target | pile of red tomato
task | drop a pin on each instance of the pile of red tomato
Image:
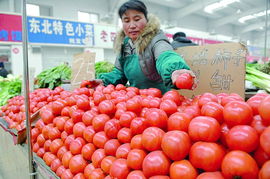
(123, 132)
(14, 111)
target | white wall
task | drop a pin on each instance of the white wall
(54, 56)
(16, 60)
(4, 5)
(99, 53)
(109, 55)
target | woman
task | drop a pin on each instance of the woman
(145, 56)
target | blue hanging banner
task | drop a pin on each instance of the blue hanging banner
(53, 31)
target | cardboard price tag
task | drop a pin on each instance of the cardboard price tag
(83, 68)
(219, 68)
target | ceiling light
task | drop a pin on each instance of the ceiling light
(253, 16)
(218, 5)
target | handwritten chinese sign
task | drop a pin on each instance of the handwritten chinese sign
(83, 68)
(10, 28)
(219, 68)
(104, 35)
(42, 30)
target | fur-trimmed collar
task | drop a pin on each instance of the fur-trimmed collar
(151, 29)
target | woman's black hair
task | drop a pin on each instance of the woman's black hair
(134, 5)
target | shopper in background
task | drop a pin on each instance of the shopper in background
(180, 40)
(145, 56)
(3, 71)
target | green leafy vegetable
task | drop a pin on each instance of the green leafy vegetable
(9, 87)
(51, 78)
(103, 67)
(258, 78)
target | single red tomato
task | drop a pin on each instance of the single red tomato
(206, 98)
(156, 118)
(68, 127)
(88, 150)
(135, 159)
(57, 106)
(225, 100)
(154, 102)
(111, 146)
(169, 106)
(88, 169)
(260, 156)
(192, 111)
(55, 164)
(40, 140)
(178, 121)
(76, 145)
(134, 105)
(119, 169)
(136, 142)
(254, 103)
(184, 81)
(97, 174)
(35, 147)
(67, 174)
(47, 145)
(123, 150)
(138, 174)
(79, 176)
(138, 125)
(89, 133)
(46, 115)
(77, 164)
(224, 131)
(210, 175)
(206, 155)
(182, 169)
(41, 151)
(76, 115)
(54, 133)
(48, 157)
(60, 122)
(257, 124)
(56, 145)
(204, 128)
(68, 140)
(111, 128)
(99, 121)
(176, 144)
(126, 118)
(265, 171)
(97, 157)
(120, 87)
(45, 130)
(154, 92)
(106, 164)
(156, 163)
(265, 140)
(214, 110)
(237, 113)
(106, 107)
(78, 129)
(151, 138)
(61, 152)
(124, 135)
(264, 110)
(83, 103)
(242, 137)
(88, 117)
(100, 139)
(239, 164)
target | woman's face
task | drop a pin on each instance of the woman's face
(133, 23)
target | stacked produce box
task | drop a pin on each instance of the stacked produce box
(124, 132)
